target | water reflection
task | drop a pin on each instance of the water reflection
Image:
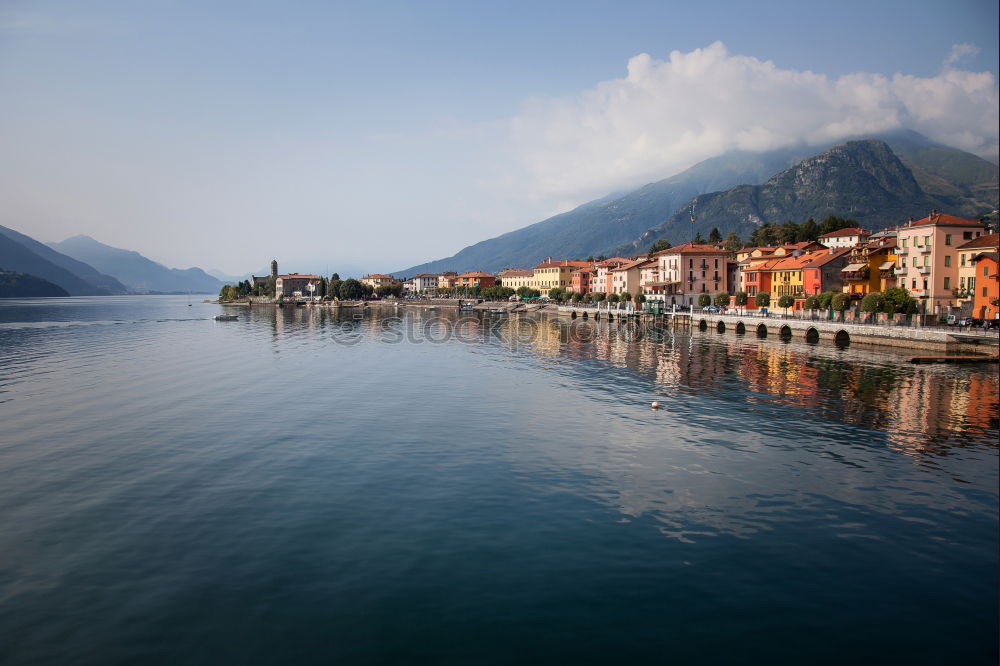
(924, 411)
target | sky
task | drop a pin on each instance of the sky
(372, 136)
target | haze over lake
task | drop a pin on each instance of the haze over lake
(302, 486)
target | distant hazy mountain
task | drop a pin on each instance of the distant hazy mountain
(137, 272)
(23, 285)
(960, 183)
(102, 284)
(863, 180)
(16, 257)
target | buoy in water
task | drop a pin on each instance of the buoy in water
(655, 405)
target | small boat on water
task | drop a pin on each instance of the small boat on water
(226, 317)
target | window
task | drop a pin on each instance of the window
(927, 241)
(986, 271)
(984, 291)
(915, 259)
(963, 260)
(967, 235)
(961, 283)
(927, 261)
(947, 239)
(690, 263)
(947, 260)
(947, 283)
(904, 241)
(925, 283)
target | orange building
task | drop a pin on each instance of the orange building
(580, 280)
(986, 301)
(474, 279)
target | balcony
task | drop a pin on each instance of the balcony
(924, 270)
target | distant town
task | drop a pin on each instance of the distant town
(939, 264)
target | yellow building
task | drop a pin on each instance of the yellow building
(516, 278)
(871, 267)
(550, 274)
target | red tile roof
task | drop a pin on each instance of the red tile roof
(989, 240)
(476, 274)
(563, 264)
(943, 220)
(691, 248)
(516, 272)
(850, 231)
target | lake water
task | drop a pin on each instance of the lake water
(303, 487)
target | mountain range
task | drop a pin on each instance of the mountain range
(70, 266)
(139, 274)
(878, 181)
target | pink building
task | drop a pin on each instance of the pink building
(688, 270)
(601, 282)
(928, 258)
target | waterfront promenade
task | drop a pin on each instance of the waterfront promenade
(931, 338)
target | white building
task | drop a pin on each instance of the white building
(424, 283)
(844, 237)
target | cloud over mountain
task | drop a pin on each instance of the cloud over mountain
(665, 115)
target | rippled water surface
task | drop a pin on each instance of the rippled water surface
(304, 487)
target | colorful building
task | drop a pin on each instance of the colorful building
(447, 280)
(967, 270)
(986, 301)
(687, 271)
(625, 277)
(516, 278)
(870, 268)
(928, 258)
(376, 280)
(601, 282)
(474, 279)
(550, 274)
(844, 237)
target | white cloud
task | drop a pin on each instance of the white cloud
(666, 115)
(960, 52)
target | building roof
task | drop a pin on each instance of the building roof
(425, 275)
(476, 274)
(565, 263)
(995, 256)
(942, 220)
(635, 263)
(296, 276)
(850, 231)
(613, 261)
(516, 272)
(691, 248)
(988, 240)
(378, 276)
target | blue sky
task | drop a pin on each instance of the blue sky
(372, 136)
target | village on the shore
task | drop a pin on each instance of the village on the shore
(938, 265)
